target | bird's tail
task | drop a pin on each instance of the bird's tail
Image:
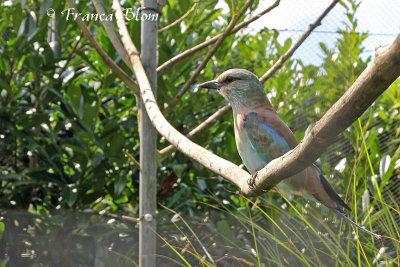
(324, 191)
(362, 228)
(339, 202)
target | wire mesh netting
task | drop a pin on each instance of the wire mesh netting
(379, 19)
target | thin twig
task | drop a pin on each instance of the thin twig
(199, 47)
(132, 85)
(70, 57)
(210, 53)
(71, 54)
(201, 127)
(302, 38)
(131, 157)
(178, 20)
(130, 219)
(374, 80)
(213, 118)
(111, 34)
(126, 40)
(227, 169)
(121, 52)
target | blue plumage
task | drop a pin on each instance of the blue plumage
(261, 136)
(264, 139)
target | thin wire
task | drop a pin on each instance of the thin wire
(323, 32)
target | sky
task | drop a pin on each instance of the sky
(381, 18)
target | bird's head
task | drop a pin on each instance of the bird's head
(240, 87)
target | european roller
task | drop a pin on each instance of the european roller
(261, 136)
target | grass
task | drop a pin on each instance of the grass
(275, 236)
(275, 231)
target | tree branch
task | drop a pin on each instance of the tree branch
(178, 20)
(302, 38)
(131, 157)
(132, 85)
(111, 34)
(198, 47)
(213, 118)
(210, 53)
(227, 169)
(201, 127)
(70, 56)
(374, 80)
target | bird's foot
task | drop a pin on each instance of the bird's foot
(252, 180)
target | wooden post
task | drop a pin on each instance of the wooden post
(148, 136)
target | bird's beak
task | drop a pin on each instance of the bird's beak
(210, 85)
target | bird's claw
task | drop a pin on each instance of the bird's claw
(252, 180)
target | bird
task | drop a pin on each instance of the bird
(261, 136)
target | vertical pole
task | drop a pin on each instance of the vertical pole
(53, 38)
(148, 135)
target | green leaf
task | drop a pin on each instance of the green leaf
(119, 184)
(202, 184)
(176, 197)
(384, 165)
(45, 5)
(28, 27)
(2, 229)
(178, 169)
(365, 200)
(75, 95)
(30, 120)
(117, 142)
(70, 194)
(23, 2)
(224, 229)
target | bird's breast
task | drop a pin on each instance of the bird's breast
(250, 157)
(254, 161)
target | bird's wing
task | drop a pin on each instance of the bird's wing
(272, 138)
(264, 137)
(272, 118)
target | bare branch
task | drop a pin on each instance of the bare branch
(132, 85)
(130, 219)
(131, 157)
(371, 83)
(70, 55)
(374, 80)
(210, 53)
(178, 20)
(198, 47)
(302, 38)
(201, 127)
(227, 169)
(273, 69)
(111, 34)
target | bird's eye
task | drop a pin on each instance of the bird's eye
(229, 79)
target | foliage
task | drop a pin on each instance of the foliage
(65, 119)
